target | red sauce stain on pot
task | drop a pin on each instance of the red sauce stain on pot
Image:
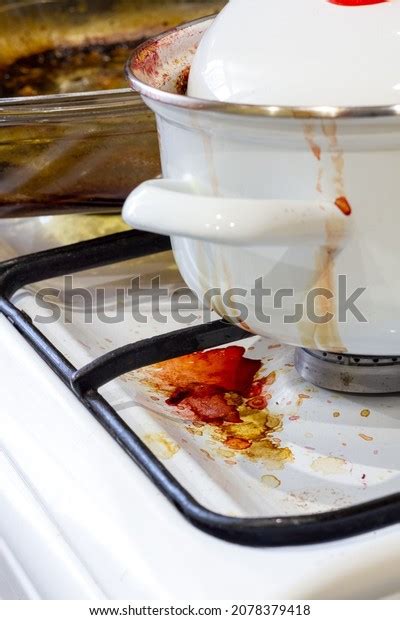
(221, 388)
(182, 81)
(310, 138)
(147, 60)
(326, 335)
(343, 204)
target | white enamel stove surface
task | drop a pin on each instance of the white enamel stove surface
(79, 520)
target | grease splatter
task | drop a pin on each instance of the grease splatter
(222, 390)
(366, 437)
(207, 455)
(161, 445)
(365, 413)
(301, 398)
(271, 481)
(329, 465)
(309, 134)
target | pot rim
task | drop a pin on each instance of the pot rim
(221, 107)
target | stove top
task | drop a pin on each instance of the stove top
(339, 477)
(354, 374)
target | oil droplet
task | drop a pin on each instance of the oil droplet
(365, 413)
(193, 430)
(271, 481)
(366, 437)
(207, 455)
(161, 445)
(329, 465)
(225, 454)
(336, 414)
(301, 398)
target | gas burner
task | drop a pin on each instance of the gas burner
(356, 374)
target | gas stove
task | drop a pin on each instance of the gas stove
(111, 492)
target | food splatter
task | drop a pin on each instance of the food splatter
(366, 437)
(161, 445)
(329, 465)
(301, 398)
(222, 390)
(336, 414)
(365, 413)
(271, 481)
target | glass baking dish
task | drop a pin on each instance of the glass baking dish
(77, 151)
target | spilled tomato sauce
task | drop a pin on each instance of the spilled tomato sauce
(226, 369)
(343, 204)
(221, 389)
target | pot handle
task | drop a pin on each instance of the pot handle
(174, 208)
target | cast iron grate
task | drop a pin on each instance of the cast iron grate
(84, 382)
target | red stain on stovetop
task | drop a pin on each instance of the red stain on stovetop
(220, 388)
(343, 204)
(225, 368)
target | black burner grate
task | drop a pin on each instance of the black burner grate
(84, 382)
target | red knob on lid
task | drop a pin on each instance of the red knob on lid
(356, 2)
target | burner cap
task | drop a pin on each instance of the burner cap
(355, 374)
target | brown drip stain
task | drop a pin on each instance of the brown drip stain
(319, 180)
(221, 390)
(161, 445)
(326, 335)
(309, 134)
(366, 437)
(182, 81)
(301, 398)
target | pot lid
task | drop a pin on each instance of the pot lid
(301, 53)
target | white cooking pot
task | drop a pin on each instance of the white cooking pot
(299, 201)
